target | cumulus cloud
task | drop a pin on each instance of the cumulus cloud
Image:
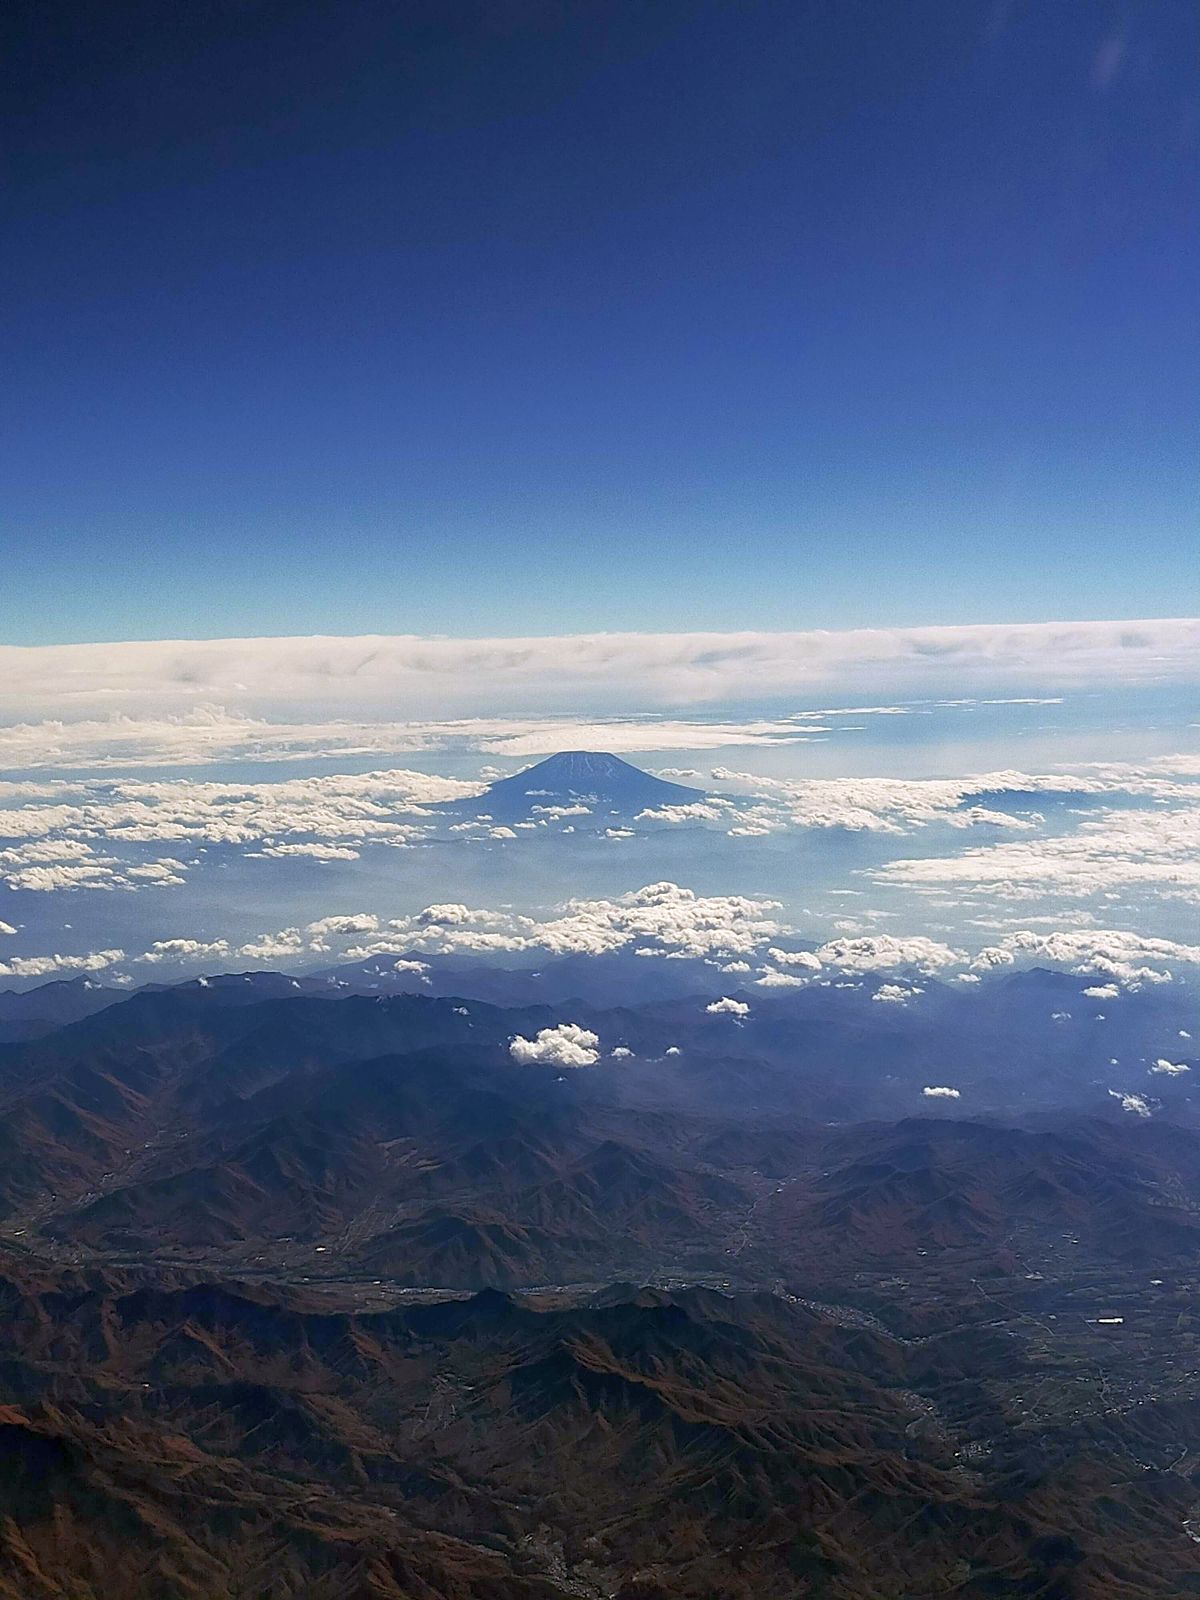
(46, 864)
(1171, 1069)
(658, 919)
(191, 950)
(725, 1007)
(51, 966)
(895, 994)
(803, 959)
(567, 1045)
(1118, 849)
(313, 849)
(941, 1091)
(689, 811)
(330, 817)
(286, 945)
(1137, 1105)
(355, 922)
(1129, 959)
(879, 952)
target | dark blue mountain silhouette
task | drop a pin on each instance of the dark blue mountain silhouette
(588, 777)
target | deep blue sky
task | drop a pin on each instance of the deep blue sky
(534, 317)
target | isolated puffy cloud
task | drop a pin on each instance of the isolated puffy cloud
(450, 916)
(725, 1007)
(567, 1045)
(1137, 1105)
(191, 950)
(355, 922)
(896, 994)
(6, 927)
(286, 945)
(1171, 1069)
(941, 1091)
(1102, 991)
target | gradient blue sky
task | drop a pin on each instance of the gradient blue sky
(511, 318)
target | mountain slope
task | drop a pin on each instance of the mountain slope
(605, 783)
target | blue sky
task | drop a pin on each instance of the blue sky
(526, 318)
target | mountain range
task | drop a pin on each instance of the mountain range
(312, 1288)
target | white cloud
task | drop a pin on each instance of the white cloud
(1102, 991)
(208, 733)
(689, 811)
(771, 979)
(1118, 849)
(725, 1007)
(286, 945)
(46, 865)
(6, 927)
(1137, 1105)
(882, 951)
(49, 966)
(661, 918)
(567, 1045)
(191, 950)
(939, 1091)
(355, 922)
(314, 851)
(345, 676)
(1171, 1069)
(895, 994)
(1131, 959)
(805, 959)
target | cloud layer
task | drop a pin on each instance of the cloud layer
(409, 676)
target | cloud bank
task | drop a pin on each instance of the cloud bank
(406, 675)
